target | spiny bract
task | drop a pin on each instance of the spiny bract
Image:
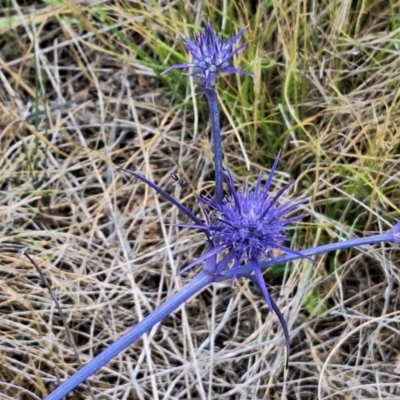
(210, 55)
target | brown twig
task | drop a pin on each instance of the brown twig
(47, 285)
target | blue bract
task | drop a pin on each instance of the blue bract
(210, 55)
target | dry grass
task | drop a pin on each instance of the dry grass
(325, 92)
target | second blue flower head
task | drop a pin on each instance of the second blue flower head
(210, 55)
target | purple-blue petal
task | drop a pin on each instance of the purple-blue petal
(292, 251)
(176, 66)
(284, 326)
(232, 70)
(258, 279)
(166, 195)
(222, 265)
(210, 253)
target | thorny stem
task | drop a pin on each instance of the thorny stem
(217, 143)
(198, 283)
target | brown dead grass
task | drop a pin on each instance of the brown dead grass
(105, 242)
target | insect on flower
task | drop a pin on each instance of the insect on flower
(210, 55)
(215, 217)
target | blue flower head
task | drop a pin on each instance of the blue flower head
(210, 55)
(249, 223)
(245, 228)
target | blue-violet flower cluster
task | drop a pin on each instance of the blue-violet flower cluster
(210, 55)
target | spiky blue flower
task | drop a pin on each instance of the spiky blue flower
(248, 225)
(250, 222)
(245, 228)
(210, 55)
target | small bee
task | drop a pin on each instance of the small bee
(179, 181)
(215, 217)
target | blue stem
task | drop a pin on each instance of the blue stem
(198, 283)
(217, 143)
(383, 237)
